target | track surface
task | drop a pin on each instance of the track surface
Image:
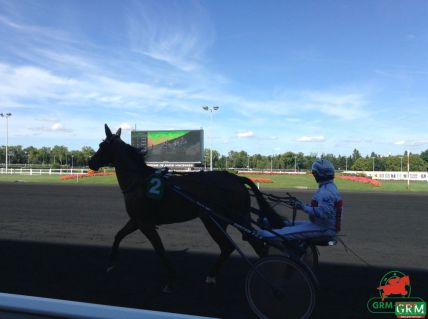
(55, 241)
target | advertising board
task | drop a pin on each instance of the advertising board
(175, 146)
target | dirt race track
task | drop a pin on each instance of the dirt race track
(55, 241)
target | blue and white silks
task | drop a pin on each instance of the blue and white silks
(325, 214)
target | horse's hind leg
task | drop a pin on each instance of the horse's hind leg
(129, 228)
(154, 238)
(226, 247)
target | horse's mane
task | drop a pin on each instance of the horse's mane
(137, 155)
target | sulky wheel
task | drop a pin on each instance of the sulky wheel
(278, 287)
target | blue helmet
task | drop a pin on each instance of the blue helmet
(323, 170)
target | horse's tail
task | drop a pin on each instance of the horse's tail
(266, 210)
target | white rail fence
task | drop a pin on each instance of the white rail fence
(43, 171)
(393, 176)
(379, 175)
(19, 306)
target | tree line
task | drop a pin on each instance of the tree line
(54, 157)
(60, 156)
(302, 162)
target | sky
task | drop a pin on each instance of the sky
(304, 76)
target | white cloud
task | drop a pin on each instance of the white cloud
(177, 35)
(341, 105)
(416, 142)
(245, 134)
(319, 138)
(31, 86)
(293, 105)
(125, 126)
(32, 82)
(55, 127)
(75, 76)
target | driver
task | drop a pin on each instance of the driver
(324, 211)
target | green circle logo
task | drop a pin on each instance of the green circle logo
(394, 283)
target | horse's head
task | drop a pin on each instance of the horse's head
(105, 154)
(406, 280)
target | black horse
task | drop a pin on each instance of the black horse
(226, 194)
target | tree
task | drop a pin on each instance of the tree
(2, 154)
(341, 163)
(424, 155)
(31, 154)
(59, 154)
(16, 155)
(259, 161)
(237, 159)
(44, 155)
(355, 155)
(288, 159)
(309, 161)
(392, 163)
(417, 163)
(86, 153)
(215, 158)
(362, 164)
(300, 161)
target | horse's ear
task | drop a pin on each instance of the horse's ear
(109, 134)
(119, 131)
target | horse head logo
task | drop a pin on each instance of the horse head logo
(394, 284)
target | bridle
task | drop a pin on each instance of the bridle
(138, 175)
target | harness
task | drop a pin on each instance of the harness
(154, 183)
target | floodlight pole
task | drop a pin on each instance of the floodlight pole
(7, 115)
(408, 170)
(211, 110)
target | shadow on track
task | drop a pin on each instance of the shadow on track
(75, 272)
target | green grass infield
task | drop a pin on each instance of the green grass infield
(278, 181)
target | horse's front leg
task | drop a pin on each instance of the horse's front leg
(217, 231)
(129, 228)
(154, 238)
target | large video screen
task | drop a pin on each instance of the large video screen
(170, 146)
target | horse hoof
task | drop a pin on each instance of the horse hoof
(210, 280)
(167, 289)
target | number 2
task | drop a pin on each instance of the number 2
(155, 186)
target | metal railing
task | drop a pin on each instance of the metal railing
(43, 171)
(19, 306)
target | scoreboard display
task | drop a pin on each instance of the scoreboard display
(178, 146)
